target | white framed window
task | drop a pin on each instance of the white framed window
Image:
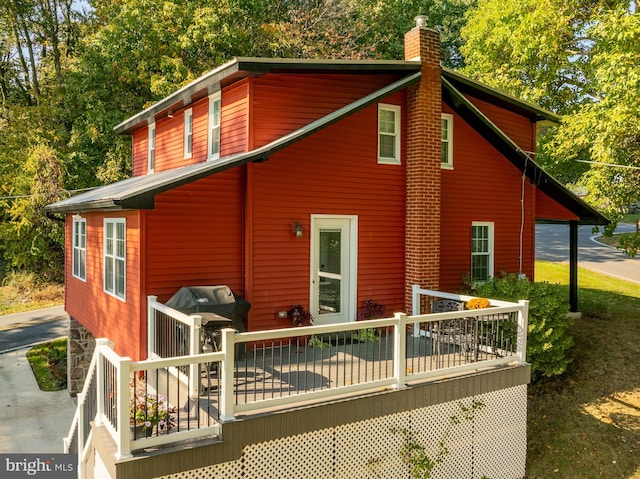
(214, 126)
(115, 257)
(388, 134)
(446, 159)
(79, 255)
(151, 148)
(481, 251)
(188, 133)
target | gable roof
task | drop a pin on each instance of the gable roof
(510, 150)
(139, 192)
(242, 67)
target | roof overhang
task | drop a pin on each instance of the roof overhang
(242, 67)
(139, 192)
(469, 86)
(510, 150)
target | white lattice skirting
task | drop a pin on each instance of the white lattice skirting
(490, 444)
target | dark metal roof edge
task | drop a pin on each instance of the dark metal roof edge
(543, 180)
(182, 95)
(170, 179)
(540, 113)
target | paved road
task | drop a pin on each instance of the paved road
(23, 329)
(552, 244)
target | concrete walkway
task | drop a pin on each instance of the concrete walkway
(31, 420)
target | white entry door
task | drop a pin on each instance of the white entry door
(333, 268)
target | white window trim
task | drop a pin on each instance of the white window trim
(79, 248)
(213, 98)
(151, 148)
(490, 253)
(188, 133)
(449, 163)
(395, 160)
(114, 257)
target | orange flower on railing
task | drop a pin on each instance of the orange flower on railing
(478, 303)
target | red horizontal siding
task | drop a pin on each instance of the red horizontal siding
(520, 129)
(335, 172)
(235, 113)
(194, 236)
(282, 103)
(102, 314)
(139, 145)
(483, 186)
(549, 209)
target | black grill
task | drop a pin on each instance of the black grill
(218, 306)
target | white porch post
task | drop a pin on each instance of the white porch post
(151, 326)
(101, 343)
(523, 329)
(415, 307)
(123, 370)
(194, 348)
(400, 350)
(226, 378)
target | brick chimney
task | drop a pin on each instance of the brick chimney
(424, 108)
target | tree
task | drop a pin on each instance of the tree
(581, 59)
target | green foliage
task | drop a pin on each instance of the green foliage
(416, 455)
(29, 240)
(49, 364)
(317, 342)
(548, 340)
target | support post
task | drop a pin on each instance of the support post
(151, 326)
(400, 350)
(573, 266)
(226, 378)
(123, 371)
(523, 330)
(194, 349)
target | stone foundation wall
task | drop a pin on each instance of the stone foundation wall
(81, 344)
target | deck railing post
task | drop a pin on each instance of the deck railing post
(151, 326)
(400, 350)
(194, 348)
(523, 328)
(123, 372)
(415, 307)
(227, 397)
(101, 343)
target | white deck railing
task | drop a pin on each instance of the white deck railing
(256, 370)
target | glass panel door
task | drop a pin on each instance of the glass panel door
(332, 271)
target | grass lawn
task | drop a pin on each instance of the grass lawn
(586, 424)
(49, 364)
(21, 292)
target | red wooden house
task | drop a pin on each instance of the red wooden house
(315, 182)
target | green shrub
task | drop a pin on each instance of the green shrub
(549, 340)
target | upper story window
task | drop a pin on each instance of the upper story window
(388, 134)
(188, 133)
(446, 160)
(115, 257)
(214, 126)
(481, 251)
(79, 257)
(151, 148)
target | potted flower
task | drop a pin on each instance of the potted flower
(300, 318)
(478, 303)
(149, 412)
(370, 310)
